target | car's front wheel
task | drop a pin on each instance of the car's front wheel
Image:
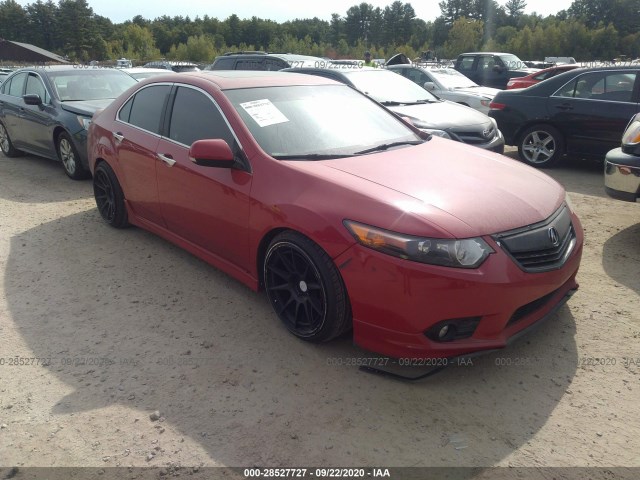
(70, 158)
(109, 196)
(305, 288)
(5, 143)
(541, 146)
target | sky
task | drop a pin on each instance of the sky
(279, 10)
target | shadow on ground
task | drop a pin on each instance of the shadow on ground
(168, 332)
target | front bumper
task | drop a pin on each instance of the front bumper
(622, 175)
(396, 303)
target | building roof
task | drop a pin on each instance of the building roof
(25, 52)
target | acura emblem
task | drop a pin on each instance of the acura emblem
(554, 237)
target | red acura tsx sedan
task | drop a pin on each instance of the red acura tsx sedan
(344, 214)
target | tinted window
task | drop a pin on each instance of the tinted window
(611, 86)
(274, 64)
(251, 64)
(125, 111)
(224, 64)
(486, 63)
(17, 85)
(195, 117)
(35, 86)
(466, 63)
(147, 107)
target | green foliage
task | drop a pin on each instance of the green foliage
(588, 30)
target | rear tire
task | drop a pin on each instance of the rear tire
(541, 146)
(305, 288)
(6, 145)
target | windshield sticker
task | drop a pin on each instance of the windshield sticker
(264, 112)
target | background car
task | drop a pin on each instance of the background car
(140, 73)
(264, 61)
(173, 66)
(622, 165)
(582, 112)
(533, 78)
(425, 110)
(345, 214)
(449, 84)
(46, 111)
(491, 69)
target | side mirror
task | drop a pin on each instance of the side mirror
(429, 86)
(211, 153)
(32, 99)
(498, 68)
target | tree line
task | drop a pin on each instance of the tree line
(587, 30)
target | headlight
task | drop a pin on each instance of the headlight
(485, 102)
(437, 133)
(465, 253)
(431, 131)
(84, 122)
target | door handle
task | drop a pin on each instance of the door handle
(168, 159)
(118, 136)
(564, 106)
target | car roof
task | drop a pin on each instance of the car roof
(230, 79)
(486, 53)
(144, 70)
(68, 68)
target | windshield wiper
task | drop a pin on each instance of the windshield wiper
(401, 104)
(386, 146)
(312, 156)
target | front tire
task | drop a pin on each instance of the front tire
(109, 196)
(541, 146)
(70, 158)
(305, 288)
(6, 145)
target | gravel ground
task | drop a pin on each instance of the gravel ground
(154, 358)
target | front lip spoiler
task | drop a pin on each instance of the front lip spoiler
(461, 359)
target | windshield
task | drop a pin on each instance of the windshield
(512, 62)
(451, 78)
(386, 86)
(90, 84)
(316, 121)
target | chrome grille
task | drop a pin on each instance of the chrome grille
(475, 137)
(543, 246)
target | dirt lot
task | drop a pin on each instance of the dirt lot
(131, 324)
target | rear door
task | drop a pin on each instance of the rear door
(593, 110)
(207, 206)
(138, 125)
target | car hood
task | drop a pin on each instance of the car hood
(86, 107)
(442, 114)
(483, 91)
(479, 192)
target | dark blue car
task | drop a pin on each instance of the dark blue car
(46, 111)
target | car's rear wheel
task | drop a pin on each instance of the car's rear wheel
(70, 158)
(6, 145)
(109, 196)
(541, 146)
(305, 288)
